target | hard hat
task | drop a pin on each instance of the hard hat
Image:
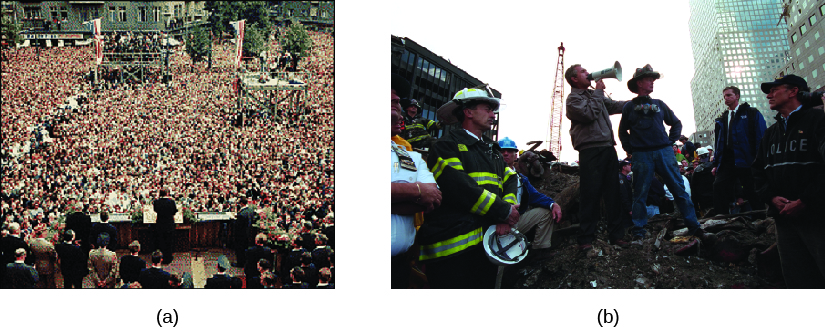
(445, 112)
(702, 151)
(507, 249)
(413, 102)
(506, 143)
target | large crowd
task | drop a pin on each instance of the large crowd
(114, 150)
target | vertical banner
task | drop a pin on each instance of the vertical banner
(239, 27)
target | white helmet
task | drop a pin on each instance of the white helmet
(504, 250)
(445, 113)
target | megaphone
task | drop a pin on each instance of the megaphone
(614, 72)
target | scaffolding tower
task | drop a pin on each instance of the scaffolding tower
(557, 107)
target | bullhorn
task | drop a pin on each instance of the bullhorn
(614, 72)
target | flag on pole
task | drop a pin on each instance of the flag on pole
(239, 27)
(98, 50)
(96, 27)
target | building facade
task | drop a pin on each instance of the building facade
(806, 35)
(735, 43)
(314, 14)
(57, 17)
(434, 80)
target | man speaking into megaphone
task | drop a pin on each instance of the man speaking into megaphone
(592, 136)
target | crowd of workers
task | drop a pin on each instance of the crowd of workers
(442, 205)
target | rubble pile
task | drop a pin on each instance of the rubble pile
(743, 256)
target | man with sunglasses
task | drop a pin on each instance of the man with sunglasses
(789, 174)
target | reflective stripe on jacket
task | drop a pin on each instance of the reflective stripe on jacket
(477, 191)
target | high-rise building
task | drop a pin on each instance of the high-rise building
(806, 35)
(735, 43)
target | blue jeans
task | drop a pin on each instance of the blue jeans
(663, 162)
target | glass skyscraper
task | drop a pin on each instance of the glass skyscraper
(735, 43)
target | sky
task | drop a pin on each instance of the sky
(513, 47)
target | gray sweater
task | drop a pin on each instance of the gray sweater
(589, 113)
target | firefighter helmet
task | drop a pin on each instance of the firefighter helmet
(445, 112)
(506, 249)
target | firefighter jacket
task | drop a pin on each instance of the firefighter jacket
(790, 163)
(418, 129)
(477, 191)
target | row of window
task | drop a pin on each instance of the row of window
(804, 27)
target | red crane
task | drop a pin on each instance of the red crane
(557, 107)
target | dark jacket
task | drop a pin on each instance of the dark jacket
(532, 198)
(640, 131)
(219, 281)
(166, 209)
(81, 223)
(789, 162)
(687, 150)
(253, 254)
(747, 129)
(19, 275)
(72, 260)
(477, 192)
(154, 278)
(130, 268)
(657, 191)
(100, 227)
(626, 190)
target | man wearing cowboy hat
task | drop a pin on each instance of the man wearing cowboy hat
(478, 192)
(789, 175)
(643, 135)
(592, 136)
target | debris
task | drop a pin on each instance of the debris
(593, 283)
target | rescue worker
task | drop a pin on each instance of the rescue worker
(538, 211)
(416, 128)
(477, 189)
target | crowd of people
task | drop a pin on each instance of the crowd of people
(115, 150)
(461, 188)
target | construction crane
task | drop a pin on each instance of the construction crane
(557, 107)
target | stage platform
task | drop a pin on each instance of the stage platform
(283, 81)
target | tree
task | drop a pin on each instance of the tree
(223, 12)
(253, 40)
(296, 40)
(10, 32)
(198, 44)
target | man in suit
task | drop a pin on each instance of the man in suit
(320, 255)
(18, 273)
(255, 253)
(244, 219)
(154, 277)
(72, 261)
(738, 133)
(10, 244)
(220, 280)
(310, 271)
(103, 263)
(164, 227)
(131, 264)
(45, 257)
(104, 226)
(81, 224)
